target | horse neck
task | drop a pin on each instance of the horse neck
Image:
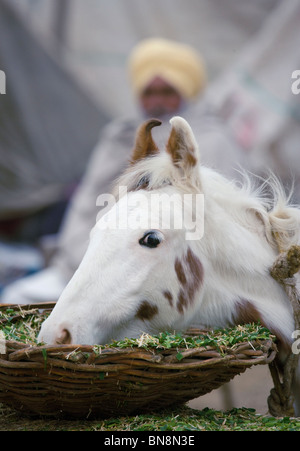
(237, 285)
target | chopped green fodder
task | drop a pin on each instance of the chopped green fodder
(23, 326)
(181, 418)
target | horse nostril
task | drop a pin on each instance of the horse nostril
(64, 338)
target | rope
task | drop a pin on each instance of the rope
(281, 400)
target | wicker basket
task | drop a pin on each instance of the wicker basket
(77, 381)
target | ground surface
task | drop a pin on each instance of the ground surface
(250, 389)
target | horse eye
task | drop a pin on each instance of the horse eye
(150, 239)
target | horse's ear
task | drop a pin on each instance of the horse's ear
(144, 144)
(182, 145)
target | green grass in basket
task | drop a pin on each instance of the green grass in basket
(25, 329)
(218, 338)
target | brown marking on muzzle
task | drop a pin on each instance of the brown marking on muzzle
(64, 338)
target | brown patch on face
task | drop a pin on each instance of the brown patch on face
(144, 144)
(190, 274)
(180, 272)
(196, 268)
(175, 147)
(182, 301)
(146, 311)
(169, 297)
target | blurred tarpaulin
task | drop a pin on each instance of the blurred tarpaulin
(48, 125)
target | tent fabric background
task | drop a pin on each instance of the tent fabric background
(99, 35)
(48, 124)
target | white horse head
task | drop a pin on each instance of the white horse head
(143, 273)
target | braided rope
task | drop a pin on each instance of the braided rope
(281, 400)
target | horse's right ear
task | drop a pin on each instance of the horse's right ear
(144, 144)
(183, 148)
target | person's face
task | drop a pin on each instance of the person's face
(160, 98)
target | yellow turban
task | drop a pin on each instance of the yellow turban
(178, 64)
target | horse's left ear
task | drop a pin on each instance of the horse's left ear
(182, 146)
(144, 144)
